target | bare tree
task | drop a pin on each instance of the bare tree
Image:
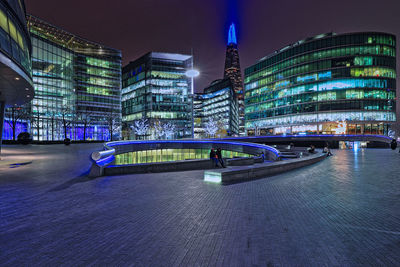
(113, 123)
(66, 114)
(52, 116)
(211, 127)
(140, 127)
(257, 127)
(34, 119)
(168, 129)
(84, 119)
(15, 115)
(158, 130)
(221, 132)
(125, 131)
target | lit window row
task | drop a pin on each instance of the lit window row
(102, 63)
(167, 75)
(329, 53)
(354, 72)
(324, 117)
(321, 96)
(314, 87)
(373, 72)
(328, 42)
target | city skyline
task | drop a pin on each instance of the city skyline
(262, 27)
(199, 133)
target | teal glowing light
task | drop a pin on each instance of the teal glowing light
(232, 35)
(212, 177)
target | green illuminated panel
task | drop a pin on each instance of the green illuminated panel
(100, 63)
(168, 75)
(97, 90)
(165, 155)
(373, 72)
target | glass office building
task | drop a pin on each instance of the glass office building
(233, 72)
(218, 102)
(155, 87)
(16, 86)
(198, 130)
(77, 84)
(327, 84)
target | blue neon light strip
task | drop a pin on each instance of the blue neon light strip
(109, 159)
(273, 150)
(105, 161)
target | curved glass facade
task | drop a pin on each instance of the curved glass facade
(77, 84)
(16, 86)
(14, 38)
(319, 84)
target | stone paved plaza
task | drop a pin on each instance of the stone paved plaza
(342, 211)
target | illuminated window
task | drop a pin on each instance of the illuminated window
(20, 40)
(373, 72)
(3, 21)
(363, 61)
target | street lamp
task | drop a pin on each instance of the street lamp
(192, 73)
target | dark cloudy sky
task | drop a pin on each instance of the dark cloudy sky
(139, 26)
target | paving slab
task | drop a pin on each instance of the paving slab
(338, 212)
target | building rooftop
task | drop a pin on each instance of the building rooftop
(170, 56)
(67, 39)
(308, 39)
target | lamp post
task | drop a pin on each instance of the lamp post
(192, 73)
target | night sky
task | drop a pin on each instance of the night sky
(140, 26)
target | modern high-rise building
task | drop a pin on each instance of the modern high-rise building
(327, 84)
(232, 71)
(155, 87)
(16, 86)
(220, 104)
(198, 130)
(77, 85)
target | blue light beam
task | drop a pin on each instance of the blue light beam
(232, 35)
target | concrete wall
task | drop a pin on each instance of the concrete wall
(183, 165)
(159, 167)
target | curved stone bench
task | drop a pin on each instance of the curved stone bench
(245, 173)
(104, 159)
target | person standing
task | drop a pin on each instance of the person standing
(219, 157)
(213, 157)
(393, 144)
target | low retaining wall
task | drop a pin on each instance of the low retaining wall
(173, 166)
(246, 173)
(239, 161)
(185, 165)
